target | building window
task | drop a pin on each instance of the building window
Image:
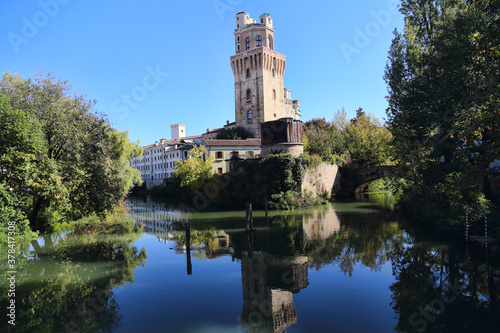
(249, 95)
(249, 114)
(237, 38)
(248, 72)
(270, 42)
(238, 47)
(248, 43)
(259, 40)
(219, 171)
(219, 155)
(250, 154)
(274, 93)
(273, 72)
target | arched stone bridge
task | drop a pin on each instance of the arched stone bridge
(354, 180)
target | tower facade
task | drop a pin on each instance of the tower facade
(258, 72)
(177, 131)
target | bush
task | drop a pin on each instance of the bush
(12, 214)
(336, 159)
(291, 200)
(392, 185)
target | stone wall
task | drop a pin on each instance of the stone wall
(294, 149)
(323, 178)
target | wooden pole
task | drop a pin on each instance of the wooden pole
(188, 248)
(249, 218)
(266, 204)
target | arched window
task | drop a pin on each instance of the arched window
(274, 93)
(259, 40)
(249, 114)
(238, 47)
(249, 95)
(270, 42)
(248, 43)
(248, 72)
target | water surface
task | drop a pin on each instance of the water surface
(346, 267)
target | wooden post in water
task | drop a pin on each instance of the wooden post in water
(266, 204)
(249, 218)
(188, 248)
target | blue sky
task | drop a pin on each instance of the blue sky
(153, 63)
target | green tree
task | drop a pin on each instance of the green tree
(367, 141)
(363, 138)
(196, 170)
(444, 95)
(236, 133)
(67, 157)
(319, 138)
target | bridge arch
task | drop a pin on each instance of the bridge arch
(355, 179)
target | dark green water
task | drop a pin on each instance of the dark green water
(347, 267)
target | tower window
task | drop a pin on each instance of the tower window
(237, 38)
(249, 114)
(248, 43)
(259, 40)
(249, 95)
(248, 72)
(238, 47)
(274, 93)
(270, 42)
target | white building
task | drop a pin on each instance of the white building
(158, 159)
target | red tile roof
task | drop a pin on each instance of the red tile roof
(168, 142)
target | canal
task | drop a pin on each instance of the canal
(345, 267)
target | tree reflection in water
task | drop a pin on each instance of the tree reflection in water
(436, 288)
(440, 289)
(65, 284)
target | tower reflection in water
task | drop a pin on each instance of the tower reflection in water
(270, 277)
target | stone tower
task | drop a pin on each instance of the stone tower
(258, 71)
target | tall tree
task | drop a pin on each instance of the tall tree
(444, 94)
(367, 141)
(82, 166)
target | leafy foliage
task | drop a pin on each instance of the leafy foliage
(235, 133)
(59, 155)
(444, 100)
(362, 138)
(195, 171)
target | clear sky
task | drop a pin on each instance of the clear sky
(153, 63)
